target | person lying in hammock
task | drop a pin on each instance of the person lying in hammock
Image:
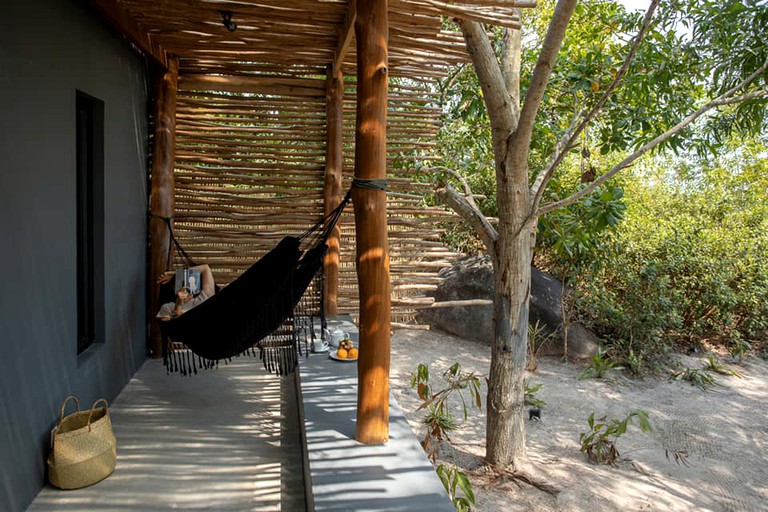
(184, 299)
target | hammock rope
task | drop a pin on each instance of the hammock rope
(261, 308)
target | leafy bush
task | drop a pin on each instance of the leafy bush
(599, 443)
(530, 395)
(686, 264)
(454, 481)
(439, 419)
(598, 365)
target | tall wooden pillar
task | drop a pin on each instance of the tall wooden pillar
(162, 194)
(334, 99)
(371, 31)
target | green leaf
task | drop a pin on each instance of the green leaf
(645, 424)
(466, 486)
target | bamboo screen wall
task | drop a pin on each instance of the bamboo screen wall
(250, 167)
(250, 144)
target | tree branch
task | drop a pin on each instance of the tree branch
(754, 95)
(561, 148)
(727, 98)
(468, 194)
(510, 65)
(489, 73)
(449, 82)
(564, 144)
(472, 215)
(544, 65)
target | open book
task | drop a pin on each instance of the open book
(188, 278)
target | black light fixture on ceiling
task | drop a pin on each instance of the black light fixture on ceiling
(226, 18)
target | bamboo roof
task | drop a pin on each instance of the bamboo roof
(250, 123)
(297, 37)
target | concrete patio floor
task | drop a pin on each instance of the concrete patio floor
(222, 440)
(230, 439)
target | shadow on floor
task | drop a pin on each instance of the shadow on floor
(221, 440)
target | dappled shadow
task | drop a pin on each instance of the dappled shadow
(721, 438)
(215, 441)
(347, 475)
(722, 435)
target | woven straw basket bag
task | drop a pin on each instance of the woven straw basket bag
(84, 447)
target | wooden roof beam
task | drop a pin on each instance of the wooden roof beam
(521, 4)
(304, 87)
(345, 38)
(124, 22)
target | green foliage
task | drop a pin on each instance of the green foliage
(738, 349)
(697, 377)
(695, 50)
(599, 443)
(598, 365)
(591, 53)
(728, 40)
(576, 234)
(530, 395)
(635, 362)
(538, 336)
(454, 481)
(714, 365)
(439, 422)
(688, 261)
(439, 419)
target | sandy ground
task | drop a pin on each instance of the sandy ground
(724, 432)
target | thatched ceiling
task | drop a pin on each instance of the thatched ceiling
(296, 37)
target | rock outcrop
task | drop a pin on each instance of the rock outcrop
(472, 278)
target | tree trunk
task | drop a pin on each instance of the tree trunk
(505, 434)
(512, 128)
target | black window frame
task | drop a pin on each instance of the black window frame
(89, 129)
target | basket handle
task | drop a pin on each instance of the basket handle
(64, 405)
(97, 402)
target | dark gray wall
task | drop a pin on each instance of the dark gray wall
(48, 50)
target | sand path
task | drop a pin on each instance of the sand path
(724, 433)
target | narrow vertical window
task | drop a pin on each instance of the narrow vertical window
(90, 219)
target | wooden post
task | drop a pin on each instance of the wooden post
(371, 27)
(332, 190)
(162, 194)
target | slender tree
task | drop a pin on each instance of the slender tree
(521, 199)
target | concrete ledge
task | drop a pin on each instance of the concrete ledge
(347, 475)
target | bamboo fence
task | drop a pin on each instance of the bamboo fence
(250, 127)
(249, 170)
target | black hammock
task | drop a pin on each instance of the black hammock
(242, 314)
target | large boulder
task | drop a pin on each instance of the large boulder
(472, 278)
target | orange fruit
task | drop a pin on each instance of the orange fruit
(353, 353)
(342, 353)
